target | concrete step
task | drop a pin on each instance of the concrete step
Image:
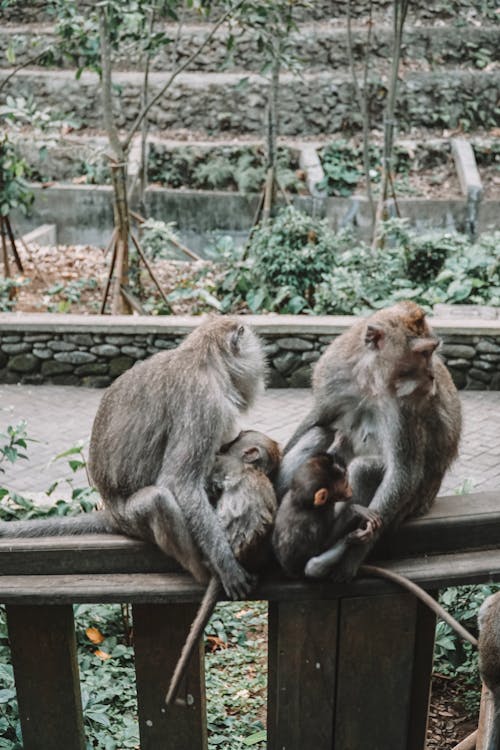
(314, 103)
(317, 46)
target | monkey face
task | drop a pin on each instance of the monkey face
(399, 344)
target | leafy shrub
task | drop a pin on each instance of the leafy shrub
(14, 188)
(221, 168)
(286, 260)
(452, 655)
(298, 264)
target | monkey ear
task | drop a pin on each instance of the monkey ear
(374, 336)
(251, 455)
(426, 346)
(236, 335)
(321, 496)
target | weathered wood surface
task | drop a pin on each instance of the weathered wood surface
(455, 524)
(43, 647)
(159, 634)
(301, 674)
(431, 572)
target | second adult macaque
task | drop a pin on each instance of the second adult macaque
(390, 402)
(489, 661)
(317, 514)
(246, 508)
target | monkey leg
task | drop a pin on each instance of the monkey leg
(153, 513)
(315, 440)
(320, 566)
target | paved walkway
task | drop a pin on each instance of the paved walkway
(59, 416)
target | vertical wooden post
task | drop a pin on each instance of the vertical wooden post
(375, 663)
(43, 646)
(301, 674)
(423, 656)
(159, 633)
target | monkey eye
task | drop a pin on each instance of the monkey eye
(241, 330)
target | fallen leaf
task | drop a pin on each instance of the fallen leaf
(102, 655)
(94, 635)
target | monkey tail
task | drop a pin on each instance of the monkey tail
(95, 522)
(203, 615)
(372, 570)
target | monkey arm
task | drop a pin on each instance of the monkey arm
(313, 439)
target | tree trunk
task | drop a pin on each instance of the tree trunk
(272, 137)
(119, 305)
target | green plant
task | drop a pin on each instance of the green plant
(14, 188)
(455, 657)
(69, 294)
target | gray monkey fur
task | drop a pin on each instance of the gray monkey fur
(390, 401)
(489, 660)
(246, 510)
(154, 441)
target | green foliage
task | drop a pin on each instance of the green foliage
(14, 440)
(7, 291)
(156, 239)
(66, 295)
(342, 163)
(452, 655)
(241, 168)
(286, 260)
(298, 264)
(14, 188)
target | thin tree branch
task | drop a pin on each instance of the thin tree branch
(144, 111)
(25, 64)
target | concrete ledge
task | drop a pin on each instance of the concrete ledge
(182, 325)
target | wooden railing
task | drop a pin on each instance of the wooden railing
(349, 665)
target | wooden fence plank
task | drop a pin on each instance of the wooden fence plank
(422, 677)
(301, 674)
(43, 646)
(159, 632)
(454, 524)
(376, 647)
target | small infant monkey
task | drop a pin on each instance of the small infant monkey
(246, 506)
(317, 514)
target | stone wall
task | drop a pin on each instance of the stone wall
(314, 103)
(93, 351)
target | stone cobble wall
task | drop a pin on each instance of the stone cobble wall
(316, 46)
(214, 103)
(95, 359)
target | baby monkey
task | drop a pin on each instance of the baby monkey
(317, 514)
(246, 507)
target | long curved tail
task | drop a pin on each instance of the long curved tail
(96, 522)
(207, 606)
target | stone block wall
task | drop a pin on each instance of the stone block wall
(93, 351)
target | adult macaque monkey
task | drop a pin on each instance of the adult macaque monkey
(389, 399)
(489, 661)
(155, 437)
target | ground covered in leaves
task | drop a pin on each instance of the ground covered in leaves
(72, 279)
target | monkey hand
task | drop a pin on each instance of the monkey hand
(237, 582)
(372, 525)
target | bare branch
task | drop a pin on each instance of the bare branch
(25, 64)
(144, 111)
